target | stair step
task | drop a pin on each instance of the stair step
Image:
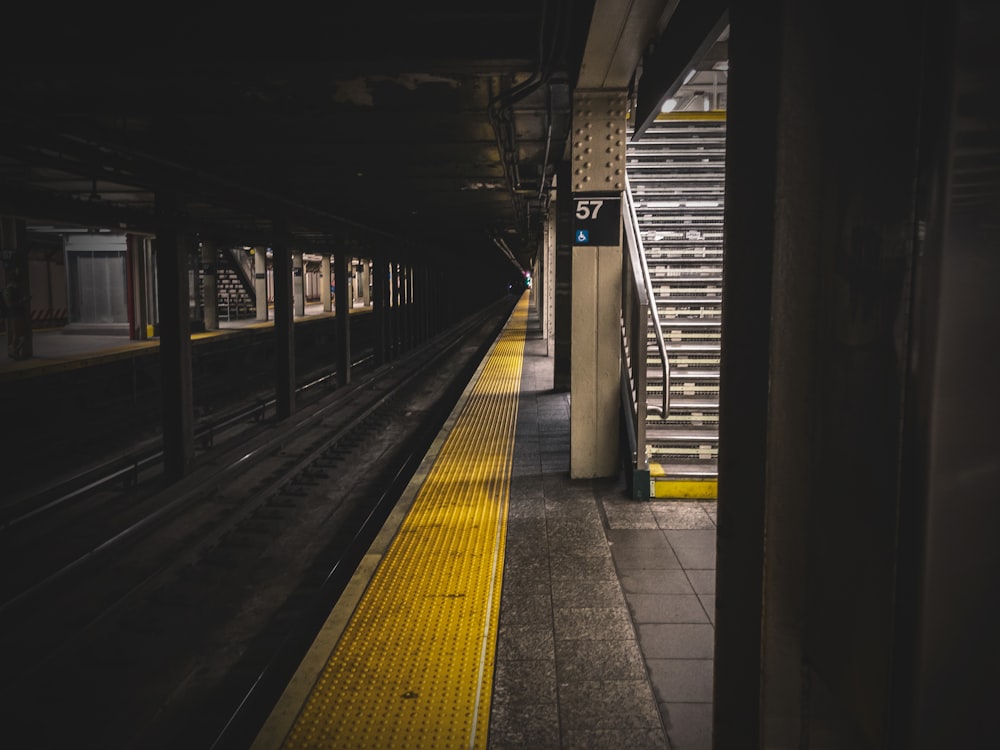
(670, 435)
(677, 175)
(678, 373)
(681, 403)
(667, 483)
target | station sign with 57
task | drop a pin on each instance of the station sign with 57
(597, 219)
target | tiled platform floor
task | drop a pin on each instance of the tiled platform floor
(606, 622)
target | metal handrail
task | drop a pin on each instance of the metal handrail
(634, 324)
(636, 250)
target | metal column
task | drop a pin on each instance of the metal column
(209, 259)
(343, 317)
(260, 281)
(284, 330)
(175, 338)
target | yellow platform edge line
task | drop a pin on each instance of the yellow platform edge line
(494, 478)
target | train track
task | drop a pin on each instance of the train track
(164, 617)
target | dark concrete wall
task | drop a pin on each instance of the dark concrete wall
(957, 617)
(835, 539)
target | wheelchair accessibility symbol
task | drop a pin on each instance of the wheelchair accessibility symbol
(582, 236)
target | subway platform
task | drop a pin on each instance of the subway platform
(506, 605)
(53, 348)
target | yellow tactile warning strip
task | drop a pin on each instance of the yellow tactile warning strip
(414, 666)
(687, 489)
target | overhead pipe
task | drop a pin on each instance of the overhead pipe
(501, 105)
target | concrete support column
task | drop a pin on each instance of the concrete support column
(596, 362)
(408, 307)
(298, 285)
(260, 281)
(325, 278)
(598, 180)
(546, 281)
(563, 288)
(425, 305)
(364, 281)
(284, 329)
(395, 315)
(137, 262)
(175, 338)
(17, 288)
(343, 318)
(210, 296)
(380, 297)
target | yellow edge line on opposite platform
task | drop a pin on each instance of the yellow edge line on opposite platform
(285, 712)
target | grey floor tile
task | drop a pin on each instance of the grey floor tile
(592, 623)
(525, 536)
(519, 681)
(670, 608)
(689, 725)
(526, 611)
(526, 643)
(708, 602)
(591, 660)
(650, 538)
(677, 641)
(679, 515)
(629, 557)
(681, 680)
(587, 567)
(655, 581)
(526, 510)
(571, 508)
(580, 537)
(525, 727)
(583, 593)
(702, 581)
(640, 738)
(607, 704)
(522, 577)
(628, 514)
(695, 548)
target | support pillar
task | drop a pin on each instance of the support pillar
(395, 318)
(563, 289)
(364, 281)
(325, 278)
(284, 329)
(17, 288)
(298, 285)
(408, 310)
(343, 317)
(260, 281)
(545, 282)
(175, 338)
(209, 259)
(380, 296)
(598, 180)
(137, 261)
(425, 304)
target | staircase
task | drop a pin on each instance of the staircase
(677, 173)
(235, 293)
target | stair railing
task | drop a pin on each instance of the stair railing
(637, 315)
(634, 328)
(634, 239)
